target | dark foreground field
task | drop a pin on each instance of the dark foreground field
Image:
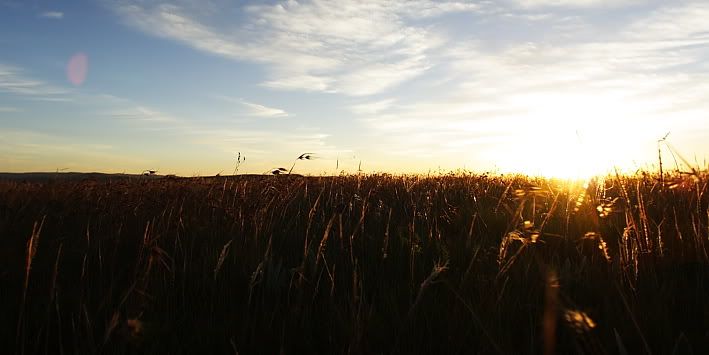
(335, 265)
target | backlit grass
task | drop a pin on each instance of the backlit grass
(459, 263)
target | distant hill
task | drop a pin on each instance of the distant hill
(43, 176)
(72, 176)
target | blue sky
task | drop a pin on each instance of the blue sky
(537, 86)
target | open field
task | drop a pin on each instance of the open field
(355, 264)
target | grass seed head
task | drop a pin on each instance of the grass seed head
(579, 321)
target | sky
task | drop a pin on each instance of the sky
(550, 87)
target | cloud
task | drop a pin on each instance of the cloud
(140, 113)
(576, 3)
(9, 109)
(166, 21)
(57, 15)
(349, 47)
(14, 81)
(137, 114)
(267, 149)
(264, 111)
(606, 99)
(30, 150)
(254, 109)
(685, 23)
(530, 88)
(300, 139)
(264, 147)
(372, 107)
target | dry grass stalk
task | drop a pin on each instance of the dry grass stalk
(432, 278)
(222, 257)
(551, 313)
(372, 294)
(32, 245)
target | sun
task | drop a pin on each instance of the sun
(577, 137)
(560, 157)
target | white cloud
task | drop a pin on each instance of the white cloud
(577, 3)
(609, 98)
(537, 88)
(355, 48)
(9, 109)
(264, 147)
(14, 81)
(57, 15)
(373, 107)
(264, 111)
(267, 149)
(669, 23)
(166, 21)
(254, 109)
(140, 113)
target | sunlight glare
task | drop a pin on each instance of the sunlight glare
(574, 136)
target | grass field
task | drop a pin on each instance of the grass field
(356, 264)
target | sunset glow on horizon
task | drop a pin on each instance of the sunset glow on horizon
(564, 89)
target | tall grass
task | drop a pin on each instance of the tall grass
(460, 263)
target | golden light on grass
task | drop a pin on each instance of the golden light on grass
(579, 321)
(512, 262)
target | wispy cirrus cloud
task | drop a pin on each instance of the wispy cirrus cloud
(262, 140)
(140, 113)
(15, 81)
(255, 109)
(264, 111)
(519, 76)
(520, 103)
(372, 107)
(31, 150)
(56, 15)
(265, 147)
(576, 3)
(355, 48)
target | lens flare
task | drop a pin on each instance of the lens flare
(77, 68)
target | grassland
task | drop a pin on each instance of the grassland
(355, 264)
